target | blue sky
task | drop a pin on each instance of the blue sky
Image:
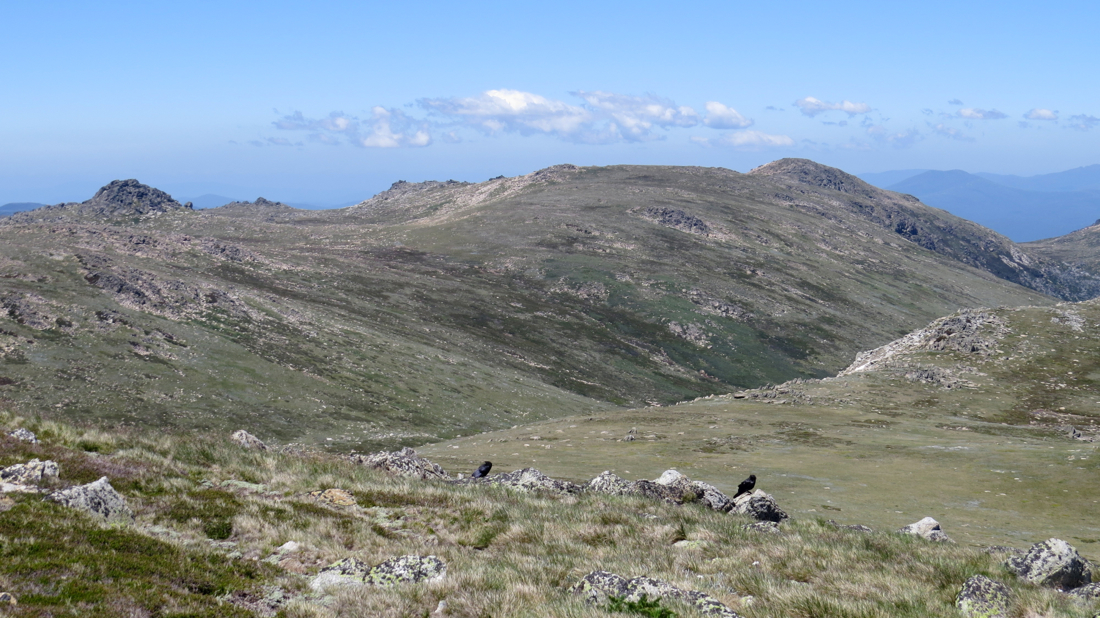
(330, 102)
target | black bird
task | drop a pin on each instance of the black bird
(482, 470)
(746, 486)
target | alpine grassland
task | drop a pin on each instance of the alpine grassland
(211, 518)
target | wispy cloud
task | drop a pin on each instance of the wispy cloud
(954, 102)
(595, 117)
(746, 140)
(810, 106)
(605, 117)
(721, 117)
(1083, 122)
(952, 132)
(897, 139)
(1041, 114)
(385, 128)
(973, 113)
(273, 141)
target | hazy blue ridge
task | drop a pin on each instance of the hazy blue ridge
(9, 209)
(1078, 179)
(1019, 214)
(883, 180)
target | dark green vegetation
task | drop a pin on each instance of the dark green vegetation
(641, 607)
(507, 553)
(443, 309)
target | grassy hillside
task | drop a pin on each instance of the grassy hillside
(211, 517)
(967, 421)
(443, 309)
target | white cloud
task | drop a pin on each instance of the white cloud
(496, 111)
(749, 140)
(605, 118)
(721, 117)
(810, 106)
(385, 128)
(1041, 114)
(973, 113)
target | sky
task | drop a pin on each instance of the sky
(330, 102)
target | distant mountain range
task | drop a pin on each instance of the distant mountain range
(1022, 208)
(9, 209)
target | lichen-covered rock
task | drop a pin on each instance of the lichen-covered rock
(335, 497)
(530, 479)
(706, 493)
(403, 569)
(760, 506)
(610, 484)
(24, 435)
(982, 597)
(247, 440)
(31, 473)
(927, 528)
(852, 527)
(1090, 591)
(769, 527)
(98, 498)
(404, 463)
(597, 586)
(649, 489)
(1053, 563)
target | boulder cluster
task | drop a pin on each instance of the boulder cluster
(671, 487)
(1053, 563)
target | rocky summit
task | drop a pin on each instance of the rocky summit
(118, 199)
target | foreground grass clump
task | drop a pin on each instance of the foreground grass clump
(211, 517)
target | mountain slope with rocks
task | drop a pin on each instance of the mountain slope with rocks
(444, 308)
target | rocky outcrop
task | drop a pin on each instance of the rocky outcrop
(927, 528)
(403, 569)
(852, 527)
(119, 198)
(611, 484)
(706, 493)
(759, 506)
(403, 463)
(982, 597)
(968, 331)
(1088, 591)
(597, 586)
(31, 473)
(98, 499)
(247, 440)
(24, 435)
(677, 219)
(1053, 563)
(334, 497)
(527, 479)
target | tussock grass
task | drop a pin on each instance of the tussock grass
(508, 553)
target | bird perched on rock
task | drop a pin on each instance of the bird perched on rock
(482, 470)
(746, 486)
